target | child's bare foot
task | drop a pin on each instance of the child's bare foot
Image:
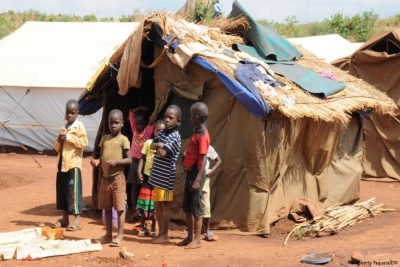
(184, 242)
(160, 239)
(194, 244)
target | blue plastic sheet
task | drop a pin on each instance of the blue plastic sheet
(248, 99)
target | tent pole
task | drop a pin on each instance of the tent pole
(19, 143)
(18, 104)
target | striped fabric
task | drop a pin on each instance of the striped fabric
(69, 191)
(145, 203)
(164, 169)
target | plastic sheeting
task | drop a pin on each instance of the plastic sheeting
(308, 79)
(327, 47)
(38, 126)
(265, 39)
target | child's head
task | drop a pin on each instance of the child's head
(198, 113)
(115, 121)
(172, 117)
(158, 126)
(141, 120)
(71, 111)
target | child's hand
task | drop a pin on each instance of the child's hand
(140, 178)
(61, 138)
(161, 152)
(111, 163)
(95, 162)
(143, 108)
(195, 186)
(187, 169)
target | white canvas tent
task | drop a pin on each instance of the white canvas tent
(327, 47)
(55, 60)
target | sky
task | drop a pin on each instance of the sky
(277, 10)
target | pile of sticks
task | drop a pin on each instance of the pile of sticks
(339, 217)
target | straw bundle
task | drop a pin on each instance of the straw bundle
(226, 39)
(339, 217)
(233, 25)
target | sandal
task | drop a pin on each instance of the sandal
(152, 234)
(210, 237)
(104, 240)
(116, 243)
(73, 227)
(141, 233)
(60, 223)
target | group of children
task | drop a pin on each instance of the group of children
(152, 157)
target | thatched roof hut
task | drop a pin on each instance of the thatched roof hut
(310, 147)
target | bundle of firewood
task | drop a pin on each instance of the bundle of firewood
(338, 217)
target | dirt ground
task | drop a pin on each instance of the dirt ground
(27, 195)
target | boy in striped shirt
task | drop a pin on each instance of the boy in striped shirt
(167, 145)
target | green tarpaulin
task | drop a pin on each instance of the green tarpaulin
(269, 46)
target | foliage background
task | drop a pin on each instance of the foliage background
(357, 28)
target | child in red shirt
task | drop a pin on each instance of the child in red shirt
(141, 132)
(194, 164)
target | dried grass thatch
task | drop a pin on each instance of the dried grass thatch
(358, 95)
(235, 26)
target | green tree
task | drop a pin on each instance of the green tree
(91, 17)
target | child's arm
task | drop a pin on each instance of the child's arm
(140, 167)
(80, 140)
(95, 161)
(132, 119)
(159, 148)
(196, 183)
(60, 140)
(218, 163)
(154, 145)
(132, 116)
(58, 143)
(125, 161)
(137, 109)
(170, 148)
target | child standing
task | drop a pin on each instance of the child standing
(145, 203)
(115, 154)
(205, 198)
(69, 146)
(167, 145)
(141, 132)
(195, 163)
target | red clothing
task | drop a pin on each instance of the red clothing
(198, 145)
(138, 139)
